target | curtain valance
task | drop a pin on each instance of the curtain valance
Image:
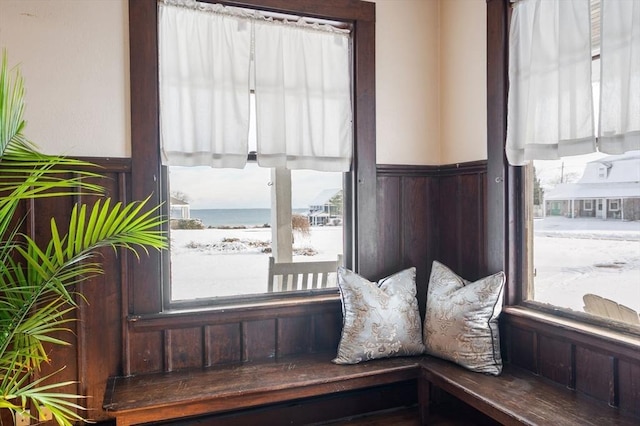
(210, 56)
(550, 106)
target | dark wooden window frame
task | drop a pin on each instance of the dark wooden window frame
(145, 277)
(506, 195)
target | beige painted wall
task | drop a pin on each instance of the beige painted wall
(74, 58)
(407, 80)
(463, 76)
(429, 70)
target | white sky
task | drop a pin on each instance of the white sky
(208, 188)
(549, 171)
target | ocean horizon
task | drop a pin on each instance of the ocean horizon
(235, 217)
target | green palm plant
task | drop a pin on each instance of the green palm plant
(37, 280)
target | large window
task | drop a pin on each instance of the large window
(566, 231)
(584, 260)
(347, 214)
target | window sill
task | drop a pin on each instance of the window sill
(597, 336)
(241, 311)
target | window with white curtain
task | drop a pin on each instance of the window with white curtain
(573, 120)
(256, 137)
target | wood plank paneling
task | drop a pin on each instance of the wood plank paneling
(629, 386)
(326, 331)
(555, 360)
(522, 348)
(595, 374)
(294, 335)
(184, 348)
(146, 352)
(471, 224)
(223, 344)
(428, 213)
(99, 315)
(419, 233)
(449, 223)
(39, 214)
(602, 368)
(389, 225)
(258, 340)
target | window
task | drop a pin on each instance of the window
(146, 290)
(602, 171)
(556, 255)
(576, 251)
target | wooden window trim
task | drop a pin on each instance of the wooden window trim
(145, 276)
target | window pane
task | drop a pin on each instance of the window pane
(221, 227)
(586, 234)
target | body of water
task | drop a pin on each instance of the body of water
(235, 217)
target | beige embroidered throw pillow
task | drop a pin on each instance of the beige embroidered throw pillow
(461, 322)
(380, 319)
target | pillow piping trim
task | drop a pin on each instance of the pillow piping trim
(496, 364)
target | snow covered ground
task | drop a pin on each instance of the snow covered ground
(203, 265)
(573, 257)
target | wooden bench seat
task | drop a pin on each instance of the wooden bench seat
(164, 396)
(516, 397)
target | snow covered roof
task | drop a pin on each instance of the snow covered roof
(324, 197)
(575, 191)
(177, 202)
(613, 168)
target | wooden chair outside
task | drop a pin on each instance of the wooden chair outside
(600, 306)
(289, 276)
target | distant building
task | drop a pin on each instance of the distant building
(609, 189)
(179, 209)
(326, 208)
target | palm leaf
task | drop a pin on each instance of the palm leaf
(37, 280)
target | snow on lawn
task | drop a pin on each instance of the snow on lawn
(574, 257)
(226, 262)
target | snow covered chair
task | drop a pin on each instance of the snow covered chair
(291, 276)
(600, 306)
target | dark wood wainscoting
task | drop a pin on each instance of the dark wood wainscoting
(428, 213)
(603, 367)
(425, 213)
(168, 342)
(95, 352)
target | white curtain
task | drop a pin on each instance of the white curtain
(619, 129)
(302, 86)
(303, 98)
(204, 60)
(550, 107)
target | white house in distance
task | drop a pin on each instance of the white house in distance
(179, 209)
(326, 208)
(608, 189)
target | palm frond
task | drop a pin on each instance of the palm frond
(37, 280)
